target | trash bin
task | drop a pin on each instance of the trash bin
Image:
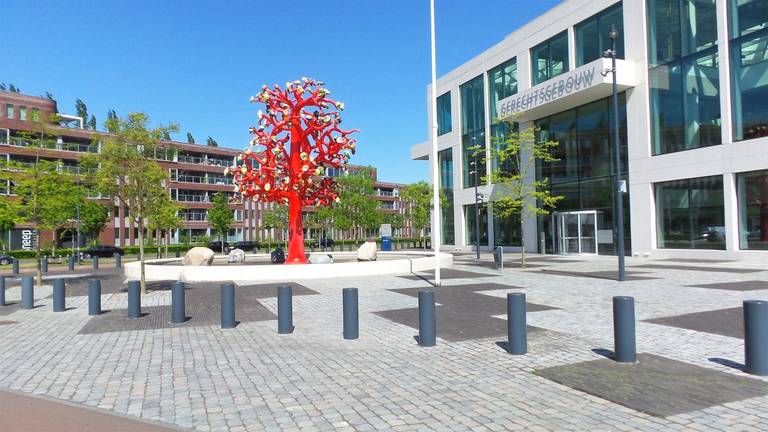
(498, 257)
(386, 244)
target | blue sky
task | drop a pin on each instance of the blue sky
(196, 63)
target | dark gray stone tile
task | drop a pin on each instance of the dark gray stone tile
(462, 312)
(610, 275)
(447, 273)
(725, 322)
(695, 260)
(752, 285)
(699, 268)
(656, 385)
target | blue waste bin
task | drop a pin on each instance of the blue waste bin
(386, 244)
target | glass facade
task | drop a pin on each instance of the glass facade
(469, 219)
(507, 231)
(690, 214)
(584, 173)
(592, 38)
(749, 68)
(502, 83)
(550, 58)
(752, 189)
(472, 129)
(445, 159)
(684, 78)
(444, 114)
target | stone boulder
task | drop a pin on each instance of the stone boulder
(367, 252)
(198, 256)
(321, 259)
(236, 256)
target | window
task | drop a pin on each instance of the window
(9, 111)
(749, 66)
(23, 113)
(502, 83)
(684, 79)
(445, 159)
(507, 231)
(444, 114)
(752, 191)
(592, 35)
(472, 129)
(550, 58)
(469, 218)
(690, 214)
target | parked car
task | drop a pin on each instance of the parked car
(5, 259)
(247, 246)
(102, 251)
(326, 243)
(216, 246)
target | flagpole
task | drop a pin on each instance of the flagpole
(435, 163)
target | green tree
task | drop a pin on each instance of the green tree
(517, 154)
(417, 205)
(355, 207)
(93, 217)
(126, 171)
(9, 216)
(48, 96)
(59, 196)
(82, 110)
(190, 138)
(220, 216)
(167, 136)
(212, 142)
(92, 122)
(164, 217)
(276, 219)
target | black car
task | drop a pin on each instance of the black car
(326, 243)
(5, 259)
(216, 246)
(102, 251)
(247, 246)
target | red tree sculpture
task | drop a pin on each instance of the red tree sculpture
(295, 142)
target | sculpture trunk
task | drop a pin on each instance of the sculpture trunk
(295, 233)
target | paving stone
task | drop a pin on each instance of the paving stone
(726, 322)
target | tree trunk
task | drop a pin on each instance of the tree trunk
(522, 241)
(295, 233)
(142, 279)
(221, 238)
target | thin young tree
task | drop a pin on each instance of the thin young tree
(355, 209)
(190, 138)
(276, 219)
(93, 217)
(9, 217)
(164, 218)
(125, 170)
(518, 192)
(221, 217)
(417, 206)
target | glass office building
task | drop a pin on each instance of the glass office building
(692, 79)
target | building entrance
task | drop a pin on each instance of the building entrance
(575, 232)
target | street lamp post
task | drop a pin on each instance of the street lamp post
(478, 198)
(620, 184)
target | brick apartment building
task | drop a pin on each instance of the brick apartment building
(196, 173)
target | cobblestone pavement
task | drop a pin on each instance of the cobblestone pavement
(250, 378)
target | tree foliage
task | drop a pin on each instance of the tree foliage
(276, 219)
(9, 217)
(211, 142)
(417, 199)
(220, 216)
(190, 138)
(164, 216)
(355, 207)
(93, 217)
(516, 193)
(82, 110)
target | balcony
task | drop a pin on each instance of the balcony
(194, 217)
(204, 161)
(221, 181)
(193, 198)
(50, 145)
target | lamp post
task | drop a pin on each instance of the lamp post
(620, 184)
(436, 228)
(478, 198)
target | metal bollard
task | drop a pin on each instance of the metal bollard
(94, 297)
(134, 299)
(756, 337)
(350, 313)
(95, 263)
(71, 263)
(27, 292)
(118, 260)
(228, 305)
(2, 290)
(427, 320)
(517, 331)
(285, 309)
(44, 264)
(177, 303)
(625, 349)
(59, 295)
(499, 257)
(15, 266)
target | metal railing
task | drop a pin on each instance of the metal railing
(185, 178)
(194, 217)
(192, 198)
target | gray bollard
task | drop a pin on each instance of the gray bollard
(118, 260)
(134, 299)
(94, 297)
(517, 331)
(2, 290)
(15, 266)
(59, 295)
(285, 309)
(27, 292)
(178, 254)
(228, 305)
(350, 313)
(427, 320)
(756, 337)
(177, 303)
(71, 263)
(44, 264)
(95, 263)
(625, 349)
